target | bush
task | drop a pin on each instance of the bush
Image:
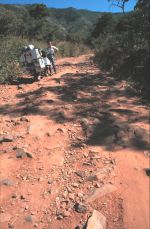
(68, 49)
(123, 49)
(10, 49)
(108, 51)
(135, 68)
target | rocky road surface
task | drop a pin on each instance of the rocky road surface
(73, 151)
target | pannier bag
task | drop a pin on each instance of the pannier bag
(29, 54)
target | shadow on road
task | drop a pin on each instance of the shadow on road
(23, 80)
(104, 108)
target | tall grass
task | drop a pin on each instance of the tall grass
(10, 50)
(68, 49)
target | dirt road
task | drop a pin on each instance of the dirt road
(69, 144)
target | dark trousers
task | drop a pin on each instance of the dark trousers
(52, 60)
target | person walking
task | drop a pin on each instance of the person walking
(50, 52)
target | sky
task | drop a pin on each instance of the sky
(93, 5)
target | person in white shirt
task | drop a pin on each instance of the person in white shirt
(50, 52)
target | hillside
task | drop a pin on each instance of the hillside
(61, 24)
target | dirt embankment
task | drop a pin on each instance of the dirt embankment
(71, 144)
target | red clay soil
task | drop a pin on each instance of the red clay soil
(77, 138)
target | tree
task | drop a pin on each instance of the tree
(143, 5)
(38, 11)
(119, 3)
(103, 24)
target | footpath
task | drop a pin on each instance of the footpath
(73, 151)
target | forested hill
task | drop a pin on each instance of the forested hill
(40, 22)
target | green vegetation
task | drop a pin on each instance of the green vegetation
(39, 22)
(21, 25)
(120, 41)
(122, 46)
(10, 49)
